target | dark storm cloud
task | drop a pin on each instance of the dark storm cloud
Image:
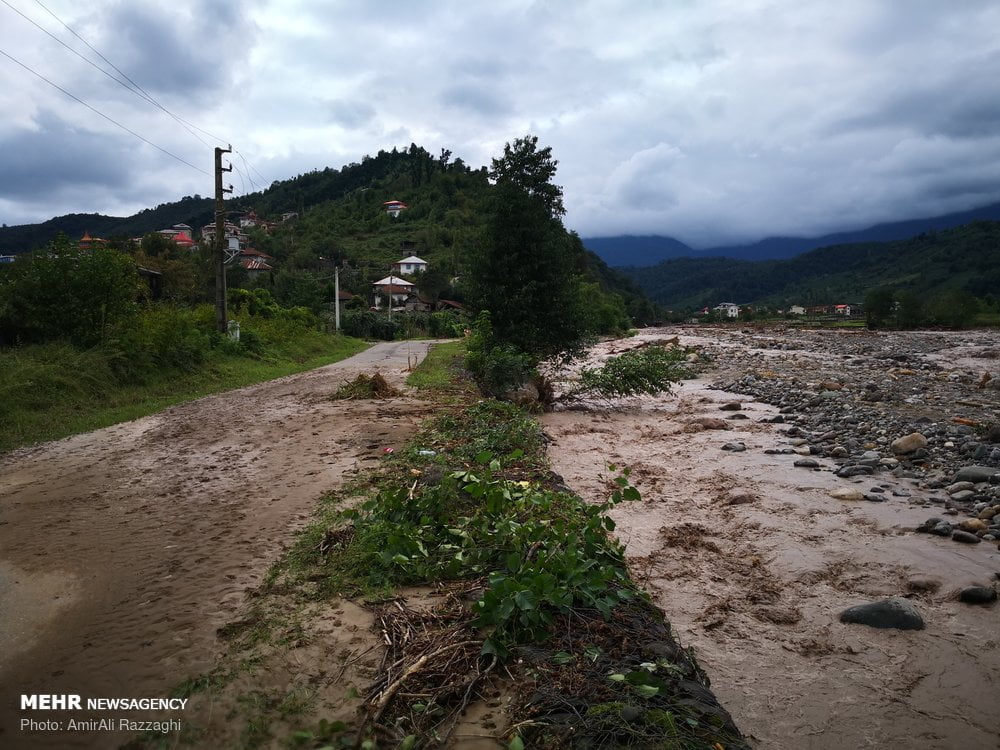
(57, 157)
(176, 52)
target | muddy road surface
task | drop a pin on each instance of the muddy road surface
(753, 560)
(124, 549)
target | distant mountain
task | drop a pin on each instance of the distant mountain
(648, 251)
(964, 257)
(628, 250)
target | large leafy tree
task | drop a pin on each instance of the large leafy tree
(531, 169)
(528, 272)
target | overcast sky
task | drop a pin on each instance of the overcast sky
(712, 121)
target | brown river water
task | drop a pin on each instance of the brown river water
(753, 561)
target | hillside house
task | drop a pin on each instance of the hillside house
(796, 310)
(410, 265)
(393, 208)
(844, 310)
(399, 290)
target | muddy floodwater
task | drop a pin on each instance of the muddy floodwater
(753, 560)
(123, 550)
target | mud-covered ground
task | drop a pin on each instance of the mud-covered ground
(122, 551)
(752, 558)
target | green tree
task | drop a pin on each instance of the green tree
(954, 309)
(526, 275)
(910, 312)
(531, 169)
(62, 292)
(879, 305)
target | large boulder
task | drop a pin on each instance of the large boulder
(895, 612)
(975, 474)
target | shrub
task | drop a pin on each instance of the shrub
(498, 367)
(650, 370)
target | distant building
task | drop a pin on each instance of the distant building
(393, 208)
(410, 265)
(7, 258)
(89, 243)
(796, 310)
(728, 309)
(844, 310)
(399, 289)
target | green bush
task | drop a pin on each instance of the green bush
(544, 552)
(650, 370)
(498, 367)
(62, 292)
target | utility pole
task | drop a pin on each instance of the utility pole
(336, 294)
(221, 321)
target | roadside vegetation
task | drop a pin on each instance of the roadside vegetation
(532, 605)
(83, 350)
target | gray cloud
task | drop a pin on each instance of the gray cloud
(710, 120)
(55, 157)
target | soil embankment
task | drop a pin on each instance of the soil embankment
(753, 560)
(123, 550)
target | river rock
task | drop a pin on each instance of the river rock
(973, 525)
(807, 463)
(975, 474)
(965, 537)
(739, 496)
(895, 612)
(731, 406)
(908, 444)
(734, 447)
(846, 493)
(710, 423)
(978, 595)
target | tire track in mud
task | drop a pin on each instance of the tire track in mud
(753, 561)
(123, 550)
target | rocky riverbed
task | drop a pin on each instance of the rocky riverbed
(923, 407)
(816, 520)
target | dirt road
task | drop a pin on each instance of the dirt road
(752, 561)
(122, 550)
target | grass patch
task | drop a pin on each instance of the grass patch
(442, 372)
(49, 391)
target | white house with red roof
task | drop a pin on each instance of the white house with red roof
(393, 208)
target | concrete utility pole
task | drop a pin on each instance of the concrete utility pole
(336, 294)
(221, 321)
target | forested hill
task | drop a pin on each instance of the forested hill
(342, 222)
(963, 258)
(294, 194)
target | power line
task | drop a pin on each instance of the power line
(137, 90)
(106, 117)
(251, 166)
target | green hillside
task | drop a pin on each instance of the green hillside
(342, 222)
(965, 258)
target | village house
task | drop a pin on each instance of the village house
(399, 290)
(393, 208)
(796, 310)
(728, 309)
(410, 265)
